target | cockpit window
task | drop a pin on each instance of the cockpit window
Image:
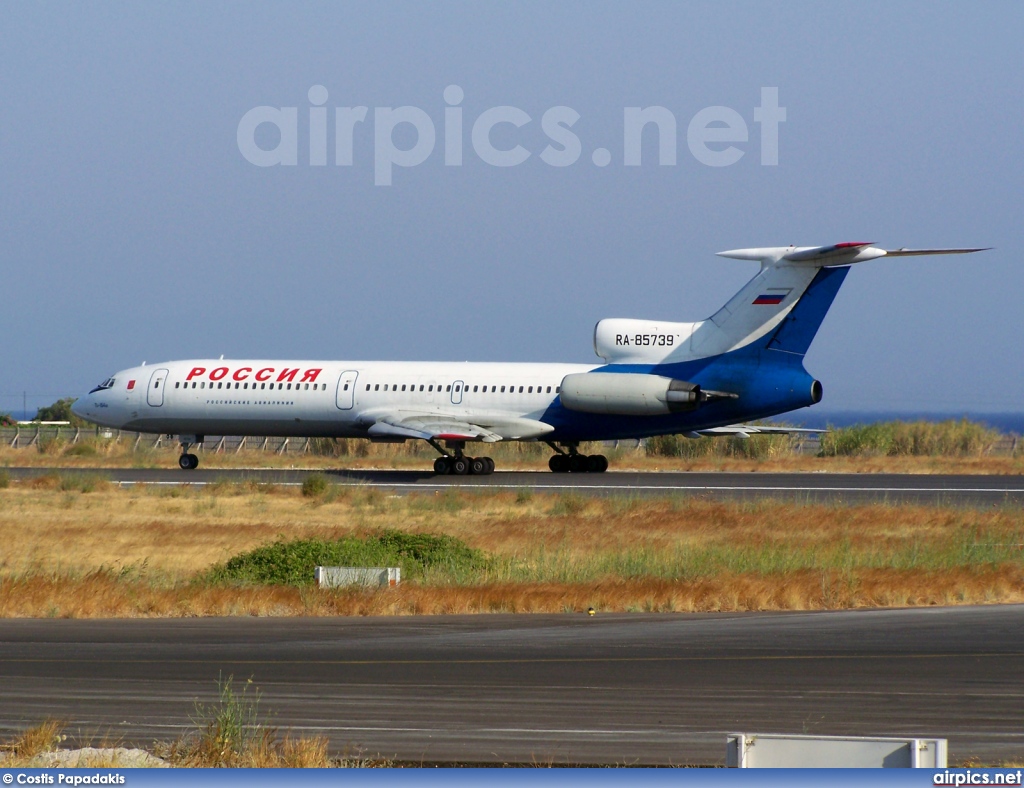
(106, 384)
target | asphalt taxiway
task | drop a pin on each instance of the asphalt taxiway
(631, 689)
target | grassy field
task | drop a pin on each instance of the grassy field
(72, 547)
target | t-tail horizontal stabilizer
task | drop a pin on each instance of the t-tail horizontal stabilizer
(836, 254)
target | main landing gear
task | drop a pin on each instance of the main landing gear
(574, 462)
(458, 464)
(188, 462)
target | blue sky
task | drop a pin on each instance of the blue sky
(132, 227)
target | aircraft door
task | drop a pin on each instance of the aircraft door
(155, 392)
(457, 388)
(346, 398)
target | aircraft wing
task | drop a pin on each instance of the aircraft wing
(746, 430)
(426, 426)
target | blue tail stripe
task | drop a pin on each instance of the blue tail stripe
(795, 333)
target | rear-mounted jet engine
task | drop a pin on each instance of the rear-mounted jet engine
(629, 394)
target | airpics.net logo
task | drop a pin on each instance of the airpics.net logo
(713, 135)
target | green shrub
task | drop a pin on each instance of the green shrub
(77, 483)
(756, 447)
(59, 411)
(292, 563)
(916, 438)
(81, 449)
(569, 505)
(5, 479)
(315, 485)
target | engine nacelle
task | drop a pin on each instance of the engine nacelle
(628, 394)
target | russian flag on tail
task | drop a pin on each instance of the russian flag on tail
(772, 299)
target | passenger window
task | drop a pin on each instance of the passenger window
(430, 387)
(421, 387)
(377, 387)
(385, 386)
(289, 386)
(346, 387)
(558, 389)
(403, 387)
(531, 390)
(448, 387)
(457, 389)
(520, 389)
(549, 389)
(474, 389)
(493, 389)
(177, 384)
(502, 389)
(367, 386)
(202, 384)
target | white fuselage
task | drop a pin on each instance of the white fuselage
(318, 398)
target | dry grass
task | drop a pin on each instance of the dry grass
(228, 734)
(138, 551)
(362, 455)
(103, 597)
(31, 742)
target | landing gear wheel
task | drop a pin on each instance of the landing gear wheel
(460, 466)
(578, 463)
(188, 462)
(597, 463)
(559, 463)
(490, 466)
(478, 466)
(442, 466)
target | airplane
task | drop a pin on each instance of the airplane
(710, 377)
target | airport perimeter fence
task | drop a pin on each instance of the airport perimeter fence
(35, 436)
(39, 435)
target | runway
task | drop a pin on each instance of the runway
(630, 689)
(926, 489)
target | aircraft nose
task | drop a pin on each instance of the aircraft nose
(78, 406)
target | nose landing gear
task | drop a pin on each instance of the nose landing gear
(188, 462)
(574, 462)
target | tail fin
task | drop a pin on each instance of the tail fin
(781, 308)
(784, 305)
(797, 330)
